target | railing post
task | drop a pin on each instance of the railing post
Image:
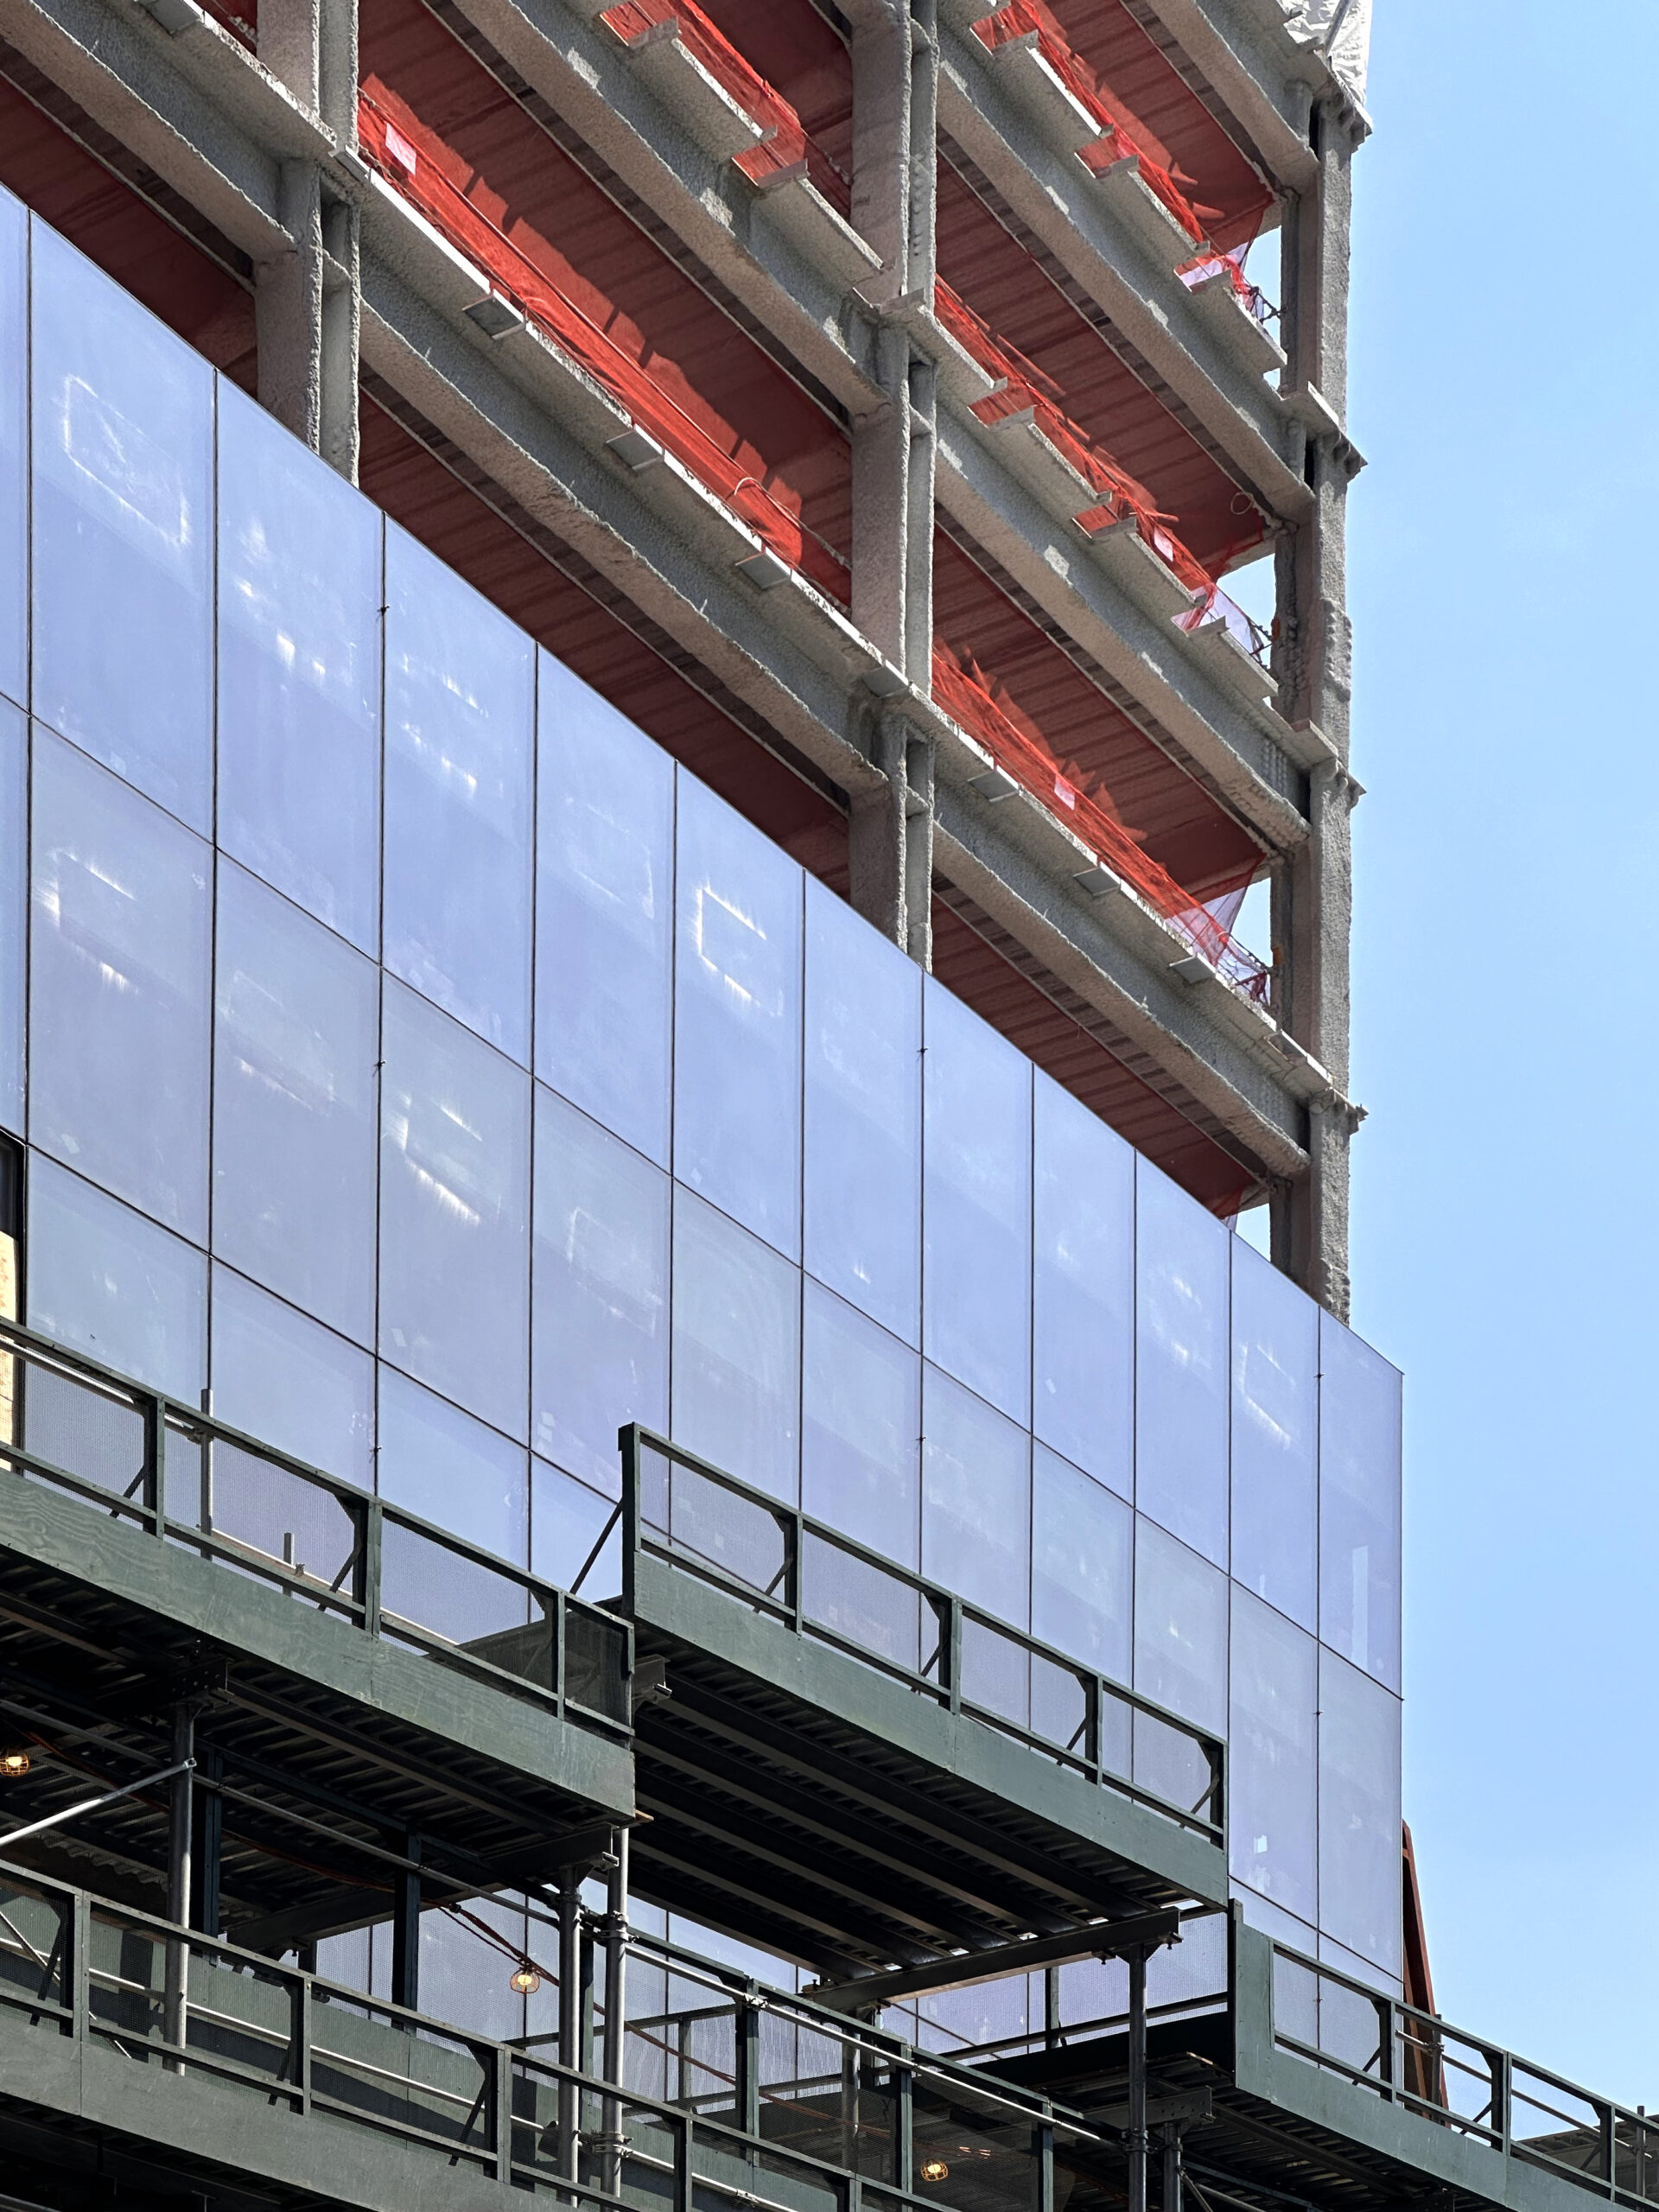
(1609, 2159)
(953, 1655)
(683, 2166)
(1386, 2048)
(795, 1537)
(370, 1544)
(1044, 2145)
(501, 2113)
(155, 1486)
(1498, 2061)
(81, 1957)
(748, 2062)
(628, 1443)
(561, 1646)
(303, 2043)
(904, 2124)
(1094, 1740)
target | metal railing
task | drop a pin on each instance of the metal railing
(755, 2099)
(193, 1482)
(1417, 2061)
(800, 1572)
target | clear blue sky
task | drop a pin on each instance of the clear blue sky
(1505, 389)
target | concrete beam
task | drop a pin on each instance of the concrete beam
(1246, 53)
(583, 74)
(145, 88)
(1063, 207)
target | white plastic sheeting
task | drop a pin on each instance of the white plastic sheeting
(1341, 31)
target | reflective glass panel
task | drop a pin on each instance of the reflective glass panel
(737, 1333)
(455, 1212)
(1180, 1628)
(123, 531)
(119, 989)
(1271, 1757)
(281, 1378)
(104, 1279)
(1082, 1564)
(976, 1206)
(299, 671)
(14, 400)
(737, 1019)
(599, 1306)
(1181, 1366)
(14, 907)
(438, 1463)
(975, 1500)
(461, 701)
(1275, 1436)
(863, 1179)
(294, 1105)
(1359, 1812)
(1359, 1502)
(861, 1428)
(567, 1524)
(1083, 1317)
(604, 910)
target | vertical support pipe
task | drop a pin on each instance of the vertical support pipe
(176, 1987)
(616, 2009)
(569, 2014)
(1173, 2167)
(1137, 1961)
(207, 1846)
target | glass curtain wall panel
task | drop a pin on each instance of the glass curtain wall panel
(736, 1350)
(1181, 1363)
(299, 591)
(295, 1119)
(1276, 1436)
(1083, 1292)
(976, 1206)
(111, 1282)
(122, 441)
(440, 1463)
(14, 427)
(1180, 1628)
(1359, 1502)
(737, 1019)
(861, 1449)
(604, 911)
(1272, 1757)
(1082, 1566)
(1359, 1814)
(863, 1136)
(14, 911)
(287, 1380)
(459, 769)
(598, 1299)
(861, 1428)
(120, 992)
(455, 1212)
(975, 1500)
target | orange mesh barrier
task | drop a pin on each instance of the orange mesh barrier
(787, 145)
(978, 704)
(1119, 137)
(419, 179)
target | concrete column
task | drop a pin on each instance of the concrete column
(895, 69)
(306, 300)
(1313, 896)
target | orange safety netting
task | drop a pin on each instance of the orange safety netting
(982, 707)
(787, 145)
(419, 179)
(1119, 136)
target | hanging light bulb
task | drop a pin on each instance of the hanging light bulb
(14, 1763)
(524, 1980)
(935, 2170)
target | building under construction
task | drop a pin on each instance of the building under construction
(660, 1546)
